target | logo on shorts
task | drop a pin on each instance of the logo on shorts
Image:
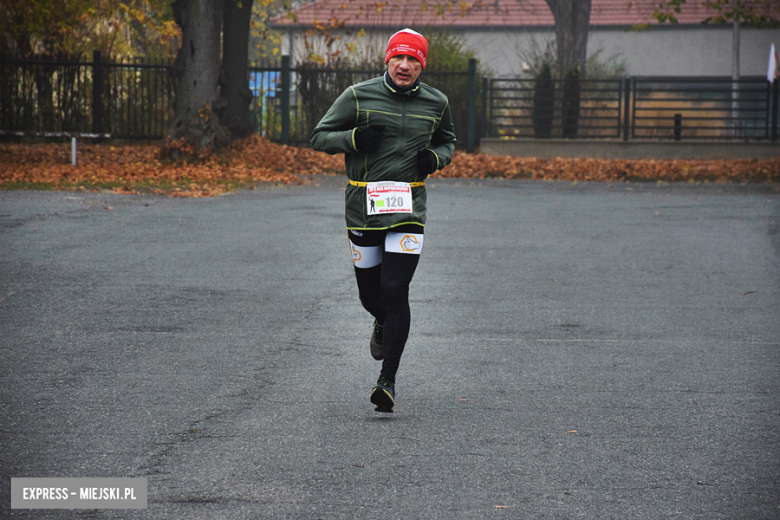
(410, 244)
(356, 256)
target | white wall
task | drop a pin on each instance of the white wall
(660, 51)
(698, 51)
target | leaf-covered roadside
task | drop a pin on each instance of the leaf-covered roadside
(614, 170)
(137, 168)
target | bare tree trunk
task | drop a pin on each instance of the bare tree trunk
(572, 23)
(235, 55)
(198, 67)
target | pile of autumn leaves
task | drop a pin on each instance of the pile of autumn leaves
(134, 168)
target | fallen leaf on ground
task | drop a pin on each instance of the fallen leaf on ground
(132, 168)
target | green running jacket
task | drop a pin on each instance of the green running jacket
(414, 120)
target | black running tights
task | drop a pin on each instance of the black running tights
(384, 292)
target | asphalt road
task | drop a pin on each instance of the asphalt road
(577, 351)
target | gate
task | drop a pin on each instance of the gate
(633, 108)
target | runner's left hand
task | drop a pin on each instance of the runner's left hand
(426, 162)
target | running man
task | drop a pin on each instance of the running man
(394, 132)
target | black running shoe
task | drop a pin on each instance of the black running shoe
(377, 343)
(383, 395)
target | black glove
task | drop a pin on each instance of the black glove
(426, 162)
(368, 139)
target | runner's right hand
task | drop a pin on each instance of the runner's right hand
(368, 139)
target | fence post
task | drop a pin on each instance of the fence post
(775, 96)
(471, 135)
(484, 118)
(677, 127)
(286, 80)
(627, 107)
(97, 93)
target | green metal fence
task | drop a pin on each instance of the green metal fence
(634, 108)
(136, 100)
(127, 100)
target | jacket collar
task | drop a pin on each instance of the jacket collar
(392, 87)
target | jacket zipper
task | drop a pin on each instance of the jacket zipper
(400, 151)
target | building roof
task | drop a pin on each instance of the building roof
(473, 13)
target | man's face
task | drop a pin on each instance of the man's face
(404, 70)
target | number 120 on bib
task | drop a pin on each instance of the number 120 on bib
(388, 197)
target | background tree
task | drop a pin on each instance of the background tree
(234, 86)
(213, 88)
(572, 24)
(72, 28)
(212, 93)
(197, 69)
(263, 42)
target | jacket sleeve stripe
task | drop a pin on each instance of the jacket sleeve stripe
(357, 111)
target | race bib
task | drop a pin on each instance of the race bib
(388, 197)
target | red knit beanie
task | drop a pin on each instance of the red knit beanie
(408, 42)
